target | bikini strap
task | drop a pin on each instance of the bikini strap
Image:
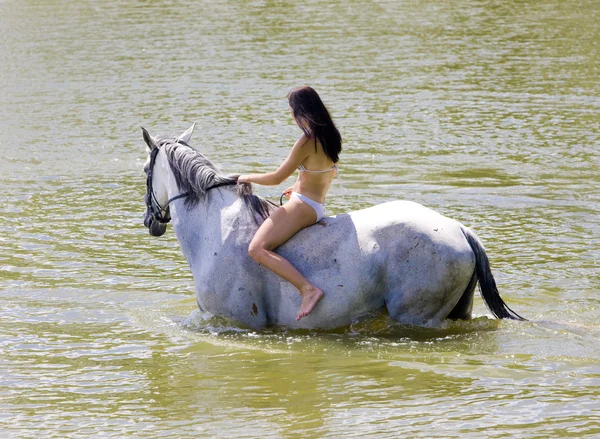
(302, 168)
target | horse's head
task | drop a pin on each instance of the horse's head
(157, 214)
(177, 170)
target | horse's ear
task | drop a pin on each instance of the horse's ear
(148, 139)
(185, 137)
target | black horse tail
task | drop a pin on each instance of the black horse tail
(487, 284)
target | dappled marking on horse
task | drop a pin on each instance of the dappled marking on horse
(418, 265)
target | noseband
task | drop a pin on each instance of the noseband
(154, 207)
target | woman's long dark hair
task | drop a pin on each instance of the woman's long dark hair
(315, 121)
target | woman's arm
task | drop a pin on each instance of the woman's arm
(287, 168)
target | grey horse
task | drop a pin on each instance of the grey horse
(400, 256)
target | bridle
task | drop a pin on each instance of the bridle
(154, 207)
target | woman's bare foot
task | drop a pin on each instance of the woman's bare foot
(310, 297)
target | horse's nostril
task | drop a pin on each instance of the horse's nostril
(157, 229)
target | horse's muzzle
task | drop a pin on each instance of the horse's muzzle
(155, 228)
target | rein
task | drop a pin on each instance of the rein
(155, 208)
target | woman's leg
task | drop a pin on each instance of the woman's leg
(284, 223)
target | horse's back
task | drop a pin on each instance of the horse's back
(387, 236)
(395, 223)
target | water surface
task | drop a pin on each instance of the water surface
(487, 111)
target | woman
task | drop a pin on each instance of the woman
(315, 155)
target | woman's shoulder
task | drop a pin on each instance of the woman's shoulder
(304, 139)
(303, 142)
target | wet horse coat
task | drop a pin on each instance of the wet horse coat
(420, 265)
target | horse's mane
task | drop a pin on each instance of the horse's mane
(196, 175)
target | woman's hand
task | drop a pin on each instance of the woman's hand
(288, 192)
(244, 179)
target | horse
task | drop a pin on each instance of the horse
(399, 256)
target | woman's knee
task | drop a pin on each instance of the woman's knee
(255, 251)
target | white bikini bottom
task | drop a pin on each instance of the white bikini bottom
(319, 208)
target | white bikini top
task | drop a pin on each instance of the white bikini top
(301, 168)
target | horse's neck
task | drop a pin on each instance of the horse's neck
(222, 216)
(214, 226)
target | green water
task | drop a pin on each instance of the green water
(487, 111)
